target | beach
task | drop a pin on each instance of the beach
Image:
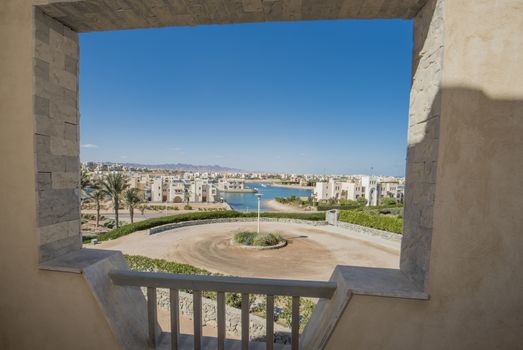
(277, 206)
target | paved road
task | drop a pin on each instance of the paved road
(312, 252)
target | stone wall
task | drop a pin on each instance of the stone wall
(232, 317)
(423, 141)
(56, 121)
(370, 231)
(176, 225)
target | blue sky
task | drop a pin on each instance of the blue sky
(306, 97)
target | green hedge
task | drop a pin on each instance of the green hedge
(143, 263)
(380, 222)
(149, 223)
(325, 207)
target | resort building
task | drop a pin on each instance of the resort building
(203, 191)
(178, 191)
(158, 191)
(231, 185)
(369, 186)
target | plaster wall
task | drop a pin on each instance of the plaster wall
(38, 309)
(475, 278)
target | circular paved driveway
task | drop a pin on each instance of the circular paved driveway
(312, 252)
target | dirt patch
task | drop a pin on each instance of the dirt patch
(311, 252)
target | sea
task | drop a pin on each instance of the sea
(249, 201)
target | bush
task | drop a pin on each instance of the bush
(143, 263)
(258, 240)
(187, 207)
(267, 240)
(387, 201)
(245, 238)
(380, 222)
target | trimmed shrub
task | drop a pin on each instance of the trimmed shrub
(380, 222)
(246, 238)
(258, 240)
(267, 240)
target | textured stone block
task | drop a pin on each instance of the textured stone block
(63, 147)
(62, 180)
(46, 89)
(56, 206)
(71, 132)
(56, 248)
(59, 231)
(43, 181)
(57, 62)
(41, 69)
(42, 51)
(71, 65)
(63, 112)
(63, 78)
(50, 127)
(72, 164)
(41, 105)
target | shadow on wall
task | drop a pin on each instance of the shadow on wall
(474, 145)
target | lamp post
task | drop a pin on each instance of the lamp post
(259, 207)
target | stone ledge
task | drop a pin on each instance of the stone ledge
(123, 307)
(355, 280)
(380, 282)
(77, 261)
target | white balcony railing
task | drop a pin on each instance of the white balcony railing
(221, 285)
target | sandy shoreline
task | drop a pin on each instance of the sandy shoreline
(277, 206)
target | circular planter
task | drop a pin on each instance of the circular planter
(254, 247)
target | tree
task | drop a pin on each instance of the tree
(387, 201)
(362, 201)
(85, 183)
(132, 199)
(114, 185)
(97, 195)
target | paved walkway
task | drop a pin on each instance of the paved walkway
(312, 252)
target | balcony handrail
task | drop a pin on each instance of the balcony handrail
(221, 284)
(302, 288)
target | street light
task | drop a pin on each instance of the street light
(259, 195)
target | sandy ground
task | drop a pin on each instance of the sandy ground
(312, 252)
(275, 205)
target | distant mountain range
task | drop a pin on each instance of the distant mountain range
(185, 167)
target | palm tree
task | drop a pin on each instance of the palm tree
(114, 186)
(132, 199)
(97, 195)
(85, 183)
(85, 180)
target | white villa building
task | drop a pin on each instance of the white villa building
(175, 190)
(370, 187)
(203, 191)
(231, 185)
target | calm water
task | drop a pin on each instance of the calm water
(248, 201)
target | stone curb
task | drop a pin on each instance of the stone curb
(253, 247)
(176, 225)
(370, 231)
